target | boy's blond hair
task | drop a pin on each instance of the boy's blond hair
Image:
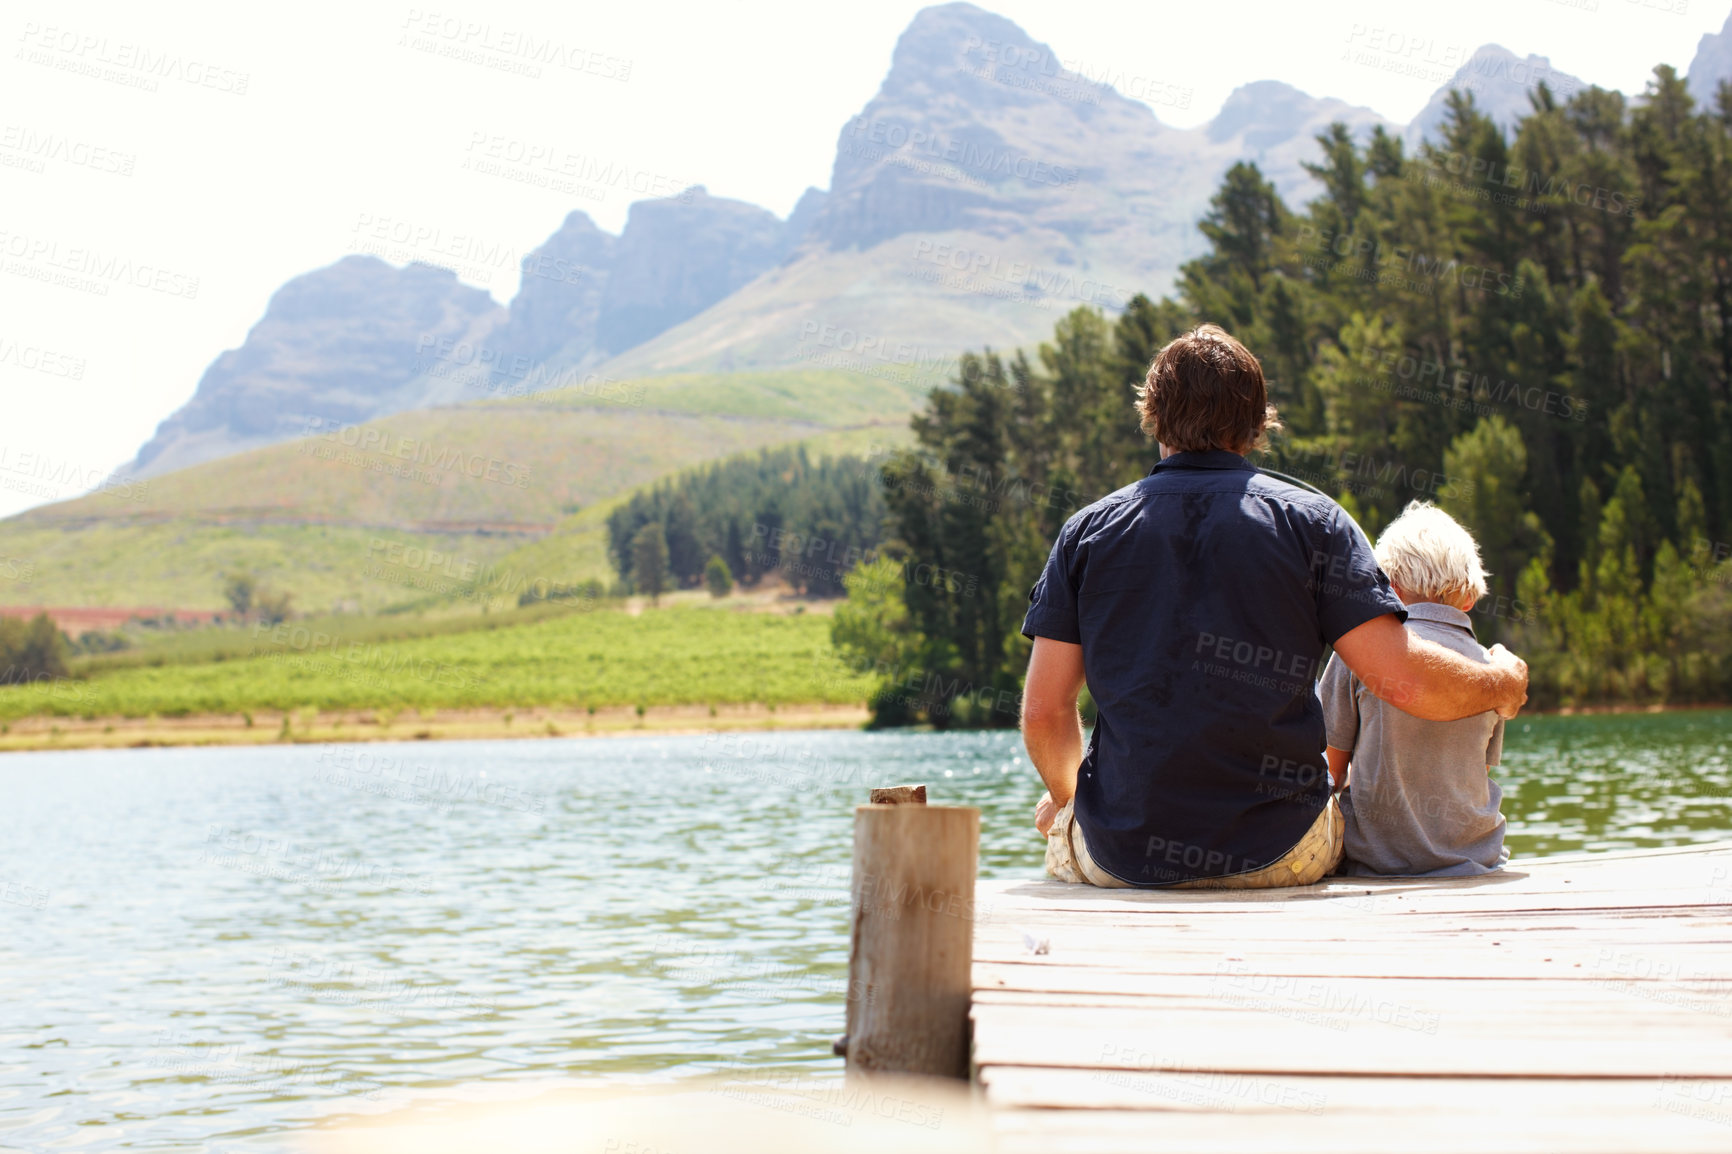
(1429, 554)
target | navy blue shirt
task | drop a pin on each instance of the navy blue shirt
(1203, 597)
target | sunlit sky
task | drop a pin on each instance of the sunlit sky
(276, 138)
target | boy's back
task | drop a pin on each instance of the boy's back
(1420, 799)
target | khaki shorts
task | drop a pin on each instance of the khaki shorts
(1310, 859)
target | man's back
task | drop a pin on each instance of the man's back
(1202, 598)
(1420, 800)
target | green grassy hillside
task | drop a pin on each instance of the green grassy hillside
(899, 311)
(602, 657)
(408, 508)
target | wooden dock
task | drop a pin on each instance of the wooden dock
(1578, 1003)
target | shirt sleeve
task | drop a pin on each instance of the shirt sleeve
(1340, 704)
(1494, 751)
(1351, 588)
(1052, 601)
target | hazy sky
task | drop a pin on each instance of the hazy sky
(216, 150)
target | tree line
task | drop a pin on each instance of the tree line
(774, 511)
(1533, 330)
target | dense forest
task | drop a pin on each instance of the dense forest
(775, 511)
(1535, 333)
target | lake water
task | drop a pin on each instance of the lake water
(210, 949)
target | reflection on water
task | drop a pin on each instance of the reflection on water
(205, 948)
(1619, 781)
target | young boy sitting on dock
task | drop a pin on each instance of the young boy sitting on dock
(1421, 801)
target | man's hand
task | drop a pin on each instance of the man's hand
(1517, 668)
(1045, 813)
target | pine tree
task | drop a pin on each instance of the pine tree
(649, 554)
(1486, 471)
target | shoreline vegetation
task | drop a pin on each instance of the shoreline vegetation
(759, 659)
(752, 659)
(35, 734)
(347, 727)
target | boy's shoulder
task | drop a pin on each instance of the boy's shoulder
(1447, 626)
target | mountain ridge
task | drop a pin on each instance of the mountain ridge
(1502, 85)
(979, 193)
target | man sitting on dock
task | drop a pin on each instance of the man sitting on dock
(1196, 605)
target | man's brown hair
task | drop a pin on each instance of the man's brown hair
(1206, 391)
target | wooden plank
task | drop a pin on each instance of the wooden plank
(1701, 874)
(1011, 966)
(1351, 908)
(1538, 878)
(1341, 1006)
(1377, 1037)
(1087, 943)
(1706, 998)
(1695, 849)
(1565, 914)
(1310, 1095)
(1410, 929)
(1434, 1132)
(1161, 974)
(1084, 940)
(1653, 894)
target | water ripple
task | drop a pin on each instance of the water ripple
(207, 948)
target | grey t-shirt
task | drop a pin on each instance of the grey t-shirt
(1421, 801)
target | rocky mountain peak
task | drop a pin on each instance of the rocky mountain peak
(677, 257)
(559, 296)
(1712, 64)
(1502, 84)
(1263, 109)
(976, 123)
(338, 345)
(968, 52)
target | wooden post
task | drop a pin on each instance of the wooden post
(912, 952)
